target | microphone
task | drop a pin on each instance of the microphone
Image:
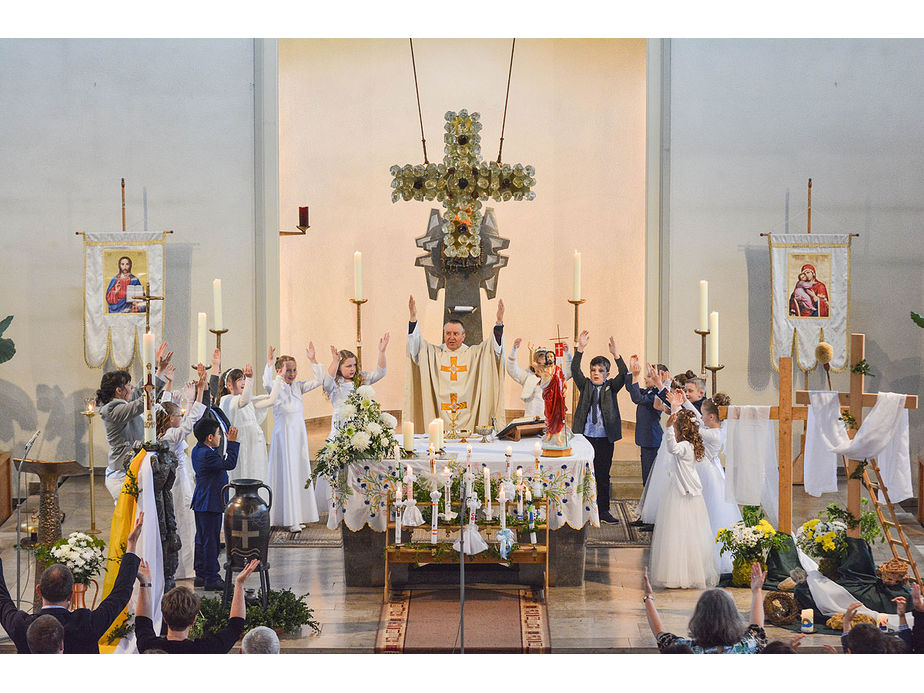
(33, 439)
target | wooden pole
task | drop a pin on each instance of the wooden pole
(123, 204)
(855, 404)
(809, 207)
(784, 443)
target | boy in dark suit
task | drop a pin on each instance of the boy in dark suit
(208, 502)
(597, 415)
(648, 414)
(695, 390)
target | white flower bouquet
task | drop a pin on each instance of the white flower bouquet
(81, 553)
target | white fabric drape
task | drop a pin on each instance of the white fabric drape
(787, 255)
(751, 471)
(883, 435)
(118, 335)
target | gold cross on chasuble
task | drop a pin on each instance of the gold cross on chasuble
(454, 404)
(453, 369)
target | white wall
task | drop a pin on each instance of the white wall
(175, 119)
(348, 111)
(751, 121)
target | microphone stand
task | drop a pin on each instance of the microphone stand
(19, 501)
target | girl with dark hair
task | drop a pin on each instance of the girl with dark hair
(247, 412)
(716, 626)
(682, 545)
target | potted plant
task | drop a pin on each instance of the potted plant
(285, 613)
(825, 537)
(84, 557)
(748, 540)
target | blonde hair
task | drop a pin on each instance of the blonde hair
(345, 355)
(281, 361)
(167, 409)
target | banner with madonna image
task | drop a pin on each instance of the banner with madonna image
(810, 281)
(120, 267)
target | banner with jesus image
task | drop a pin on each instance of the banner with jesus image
(119, 266)
(810, 281)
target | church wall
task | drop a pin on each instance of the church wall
(751, 121)
(175, 119)
(348, 112)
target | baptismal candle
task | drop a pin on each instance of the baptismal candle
(487, 491)
(703, 305)
(576, 277)
(532, 523)
(216, 295)
(147, 350)
(398, 458)
(713, 339)
(358, 276)
(409, 477)
(502, 501)
(507, 453)
(200, 342)
(434, 515)
(407, 430)
(447, 482)
(808, 621)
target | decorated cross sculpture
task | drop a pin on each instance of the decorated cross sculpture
(462, 244)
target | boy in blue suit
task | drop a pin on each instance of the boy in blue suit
(208, 502)
(648, 413)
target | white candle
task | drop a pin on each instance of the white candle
(407, 430)
(200, 342)
(398, 457)
(147, 350)
(502, 501)
(703, 305)
(808, 621)
(434, 515)
(216, 294)
(447, 479)
(487, 491)
(440, 427)
(409, 477)
(576, 289)
(713, 339)
(398, 505)
(519, 493)
(537, 451)
(532, 524)
(358, 276)
(433, 433)
(507, 453)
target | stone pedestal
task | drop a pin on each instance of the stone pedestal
(363, 557)
(567, 552)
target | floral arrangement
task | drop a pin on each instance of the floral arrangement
(365, 433)
(81, 553)
(751, 538)
(823, 538)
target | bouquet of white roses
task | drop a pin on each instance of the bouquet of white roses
(366, 433)
(81, 553)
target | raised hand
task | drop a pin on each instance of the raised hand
(582, 340)
(271, 355)
(216, 358)
(169, 372)
(132, 540)
(248, 370)
(232, 433)
(383, 342)
(500, 311)
(916, 597)
(200, 371)
(160, 353)
(412, 309)
(900, 606)
(646, 583)
(247, 570)
(144, 572)
(757, 576)
(309, 352)
(189, 391)
(849, 614)
(517, 342)
(613, 350)
(635, 367)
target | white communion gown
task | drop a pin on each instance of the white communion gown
(721, 512)
(247, 413)
(183, 488)
(338, 391)
(682, 548)
(289, 465)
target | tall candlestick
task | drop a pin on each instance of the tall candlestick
(703, 305)
(487, 491)
(407, 430)
(200, 342)
(358, 276)
(576, 277)
(216, 295)
(713, 339)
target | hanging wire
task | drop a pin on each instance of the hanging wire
(506, 101)
(423, 139)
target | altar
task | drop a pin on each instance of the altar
(568, 484)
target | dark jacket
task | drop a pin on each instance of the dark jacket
(211, 475)
(648, 430)
(82, 628)
(608, 404)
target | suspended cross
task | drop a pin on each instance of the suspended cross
(453, 368)
(462, 250)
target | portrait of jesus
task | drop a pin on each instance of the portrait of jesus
(125, 284)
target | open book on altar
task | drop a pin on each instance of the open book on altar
(518, 428)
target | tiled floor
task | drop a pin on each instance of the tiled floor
(603, 615)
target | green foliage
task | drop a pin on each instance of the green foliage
(751, 514)
(858, 472)
(868, 521)
(849, 421)
(131, 485)
(284, 612)
(120, 631)
(918, 319)
(7, 348)
(861, 367)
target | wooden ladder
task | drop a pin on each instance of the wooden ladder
(893, 523)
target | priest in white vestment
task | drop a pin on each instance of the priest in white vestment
(454, 376)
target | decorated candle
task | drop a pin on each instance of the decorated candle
(409, 478)
(703, 305)
(147, 343)
(576, 277)
(519, 501)
(507, 453)
(407, 430)
(447, 482)
(358, 276)
(216, 296)
(434, 515)
(487, 491)
(432, 456)
(200, 341)
(531, 516)
(537, 453)
(398, 505)
(808, 621)
(468, 457)
(502, 502)
(883, 621)
(713, 339)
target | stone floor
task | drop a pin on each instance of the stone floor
(603, 615)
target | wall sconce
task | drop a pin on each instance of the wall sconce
(303, 224)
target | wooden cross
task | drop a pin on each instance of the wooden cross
(854, 401)
(244, 534)
(453, 369)
(147, 298)
(454, 405)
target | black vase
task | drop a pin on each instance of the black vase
(247, 522)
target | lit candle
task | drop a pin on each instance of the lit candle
(216, 292)
(703, 305)
(487, 491)
(147, 343)
(576, 290)
(432, 461)
(434, 434)
(397, 457)
(358, 276)
(447, 482)
(808, 621)
(713, 339)
(407, 430)
(200, 342)
(434, 515)
(507, 453)
(502, 502)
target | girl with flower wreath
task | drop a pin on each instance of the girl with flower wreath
(340, 381)
(682, 548)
